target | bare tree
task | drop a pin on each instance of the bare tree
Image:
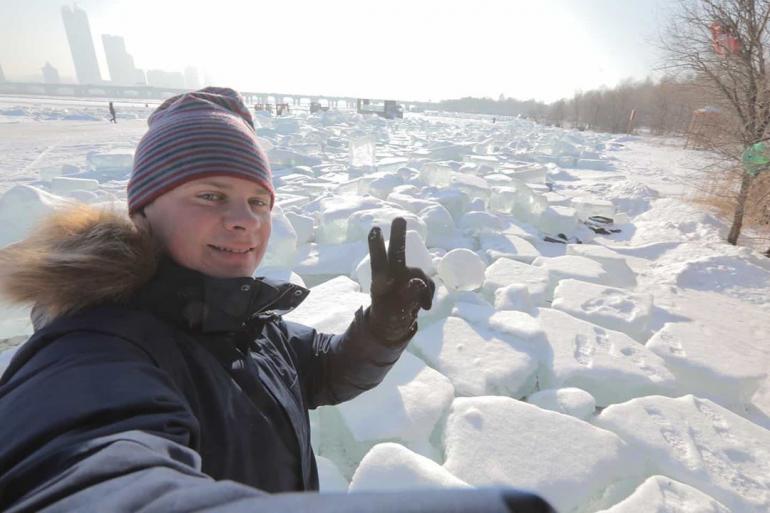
(724, 43)
(557, 113)
(663, 107)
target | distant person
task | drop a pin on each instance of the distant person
(161, 376)
(113, 119)
(494, 120)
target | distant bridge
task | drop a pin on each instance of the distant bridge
(140, 92)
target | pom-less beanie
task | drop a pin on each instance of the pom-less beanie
(194, 135)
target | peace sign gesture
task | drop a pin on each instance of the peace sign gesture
(398, 292)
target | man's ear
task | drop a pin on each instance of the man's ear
(141, 221)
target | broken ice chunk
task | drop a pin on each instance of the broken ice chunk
(362, 151)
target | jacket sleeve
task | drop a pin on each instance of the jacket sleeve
(336, 368)
(137, 472)
(134, 472)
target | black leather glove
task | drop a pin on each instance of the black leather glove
(398, 292)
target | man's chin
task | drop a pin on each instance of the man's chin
(222, 265)
(229, 272)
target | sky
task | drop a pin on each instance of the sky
(402, 49)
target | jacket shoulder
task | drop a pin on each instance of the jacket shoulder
(138, 328)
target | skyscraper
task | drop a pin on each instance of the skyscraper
(81, 45)
(139, 78)
(119, 61)
(50, 74)
(166, 79)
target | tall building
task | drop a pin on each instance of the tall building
(167, 79)
(119, 61)
(81, 45)
(139, 78)
(50, 74)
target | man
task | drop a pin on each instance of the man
(113, 119)
(161, 376)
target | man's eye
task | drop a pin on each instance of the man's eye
(258, 203)
(210, 196)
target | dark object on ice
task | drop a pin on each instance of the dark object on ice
(317, 107)
(388, 109)
(562, 239)
(600, 225)
(548, 238)
(112, 113)
(281, 109)
(263, 107)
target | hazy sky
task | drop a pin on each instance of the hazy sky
(405, 49)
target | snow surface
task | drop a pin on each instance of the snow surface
(570, 401)
(501, 441)
(611, 307)
(458, 349)
(391, 465)
(462, 269)
(699, 443)
(563, 368)
(660, 494)
(609, 364)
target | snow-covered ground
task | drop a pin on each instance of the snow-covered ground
(622, 372)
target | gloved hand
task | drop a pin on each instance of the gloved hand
(398, 292)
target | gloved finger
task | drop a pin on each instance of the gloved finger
(414, 292)
(426, 296)
(397, 247)
(378, 257)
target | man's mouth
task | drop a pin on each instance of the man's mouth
(230, 250)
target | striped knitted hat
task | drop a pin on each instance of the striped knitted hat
(194, 135)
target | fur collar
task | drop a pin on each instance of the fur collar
(75, 259)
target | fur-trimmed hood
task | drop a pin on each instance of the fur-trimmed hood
(77, 258)
(84, 257)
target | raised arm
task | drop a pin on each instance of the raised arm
(335, 368)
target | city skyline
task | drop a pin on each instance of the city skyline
(119, 63)
(416, 51)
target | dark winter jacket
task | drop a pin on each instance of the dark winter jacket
(163, 395)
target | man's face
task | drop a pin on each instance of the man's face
(218, 225)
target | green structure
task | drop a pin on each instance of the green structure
(756, 158)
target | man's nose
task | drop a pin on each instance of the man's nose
(240, 216)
